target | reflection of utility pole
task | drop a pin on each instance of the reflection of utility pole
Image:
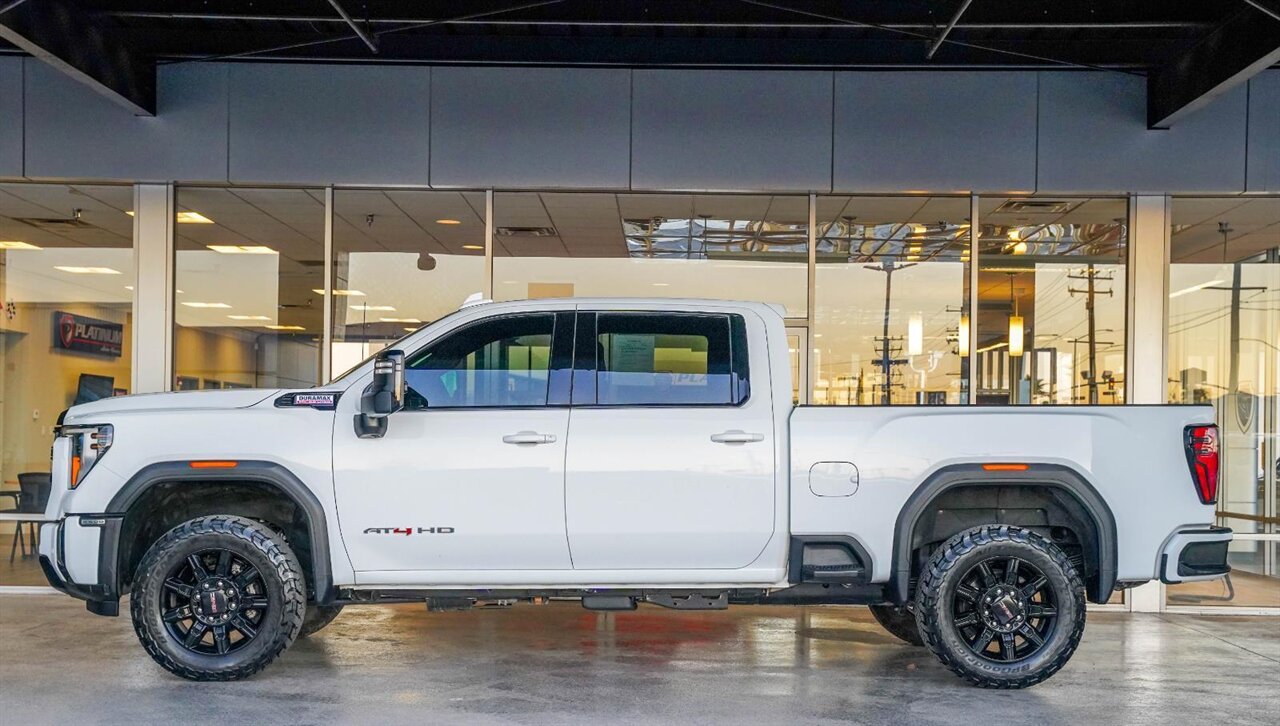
(1091, 276)
(886, 361)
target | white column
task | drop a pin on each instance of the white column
(153, 216)
(487, 289)
(326, 338)
(1146, 367)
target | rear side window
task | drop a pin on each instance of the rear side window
(667, 359)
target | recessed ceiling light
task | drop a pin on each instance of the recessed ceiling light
(350, 293)
(16, 245)
(249, 317)
(243, 249)
(473, 247)
(409, 330)
(284, 327)
(373, 308)
(193, 218)
(87, 270)
(129, 212)
(206, 305)
(448, 221)
(400, 320)
(662, 284)
(128, 287)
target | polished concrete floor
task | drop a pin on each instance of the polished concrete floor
(560, 664)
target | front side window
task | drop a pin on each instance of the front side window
(644, 359)
(502, 362)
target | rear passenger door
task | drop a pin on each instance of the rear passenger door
(670, 463)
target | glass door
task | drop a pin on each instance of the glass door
(798, 353)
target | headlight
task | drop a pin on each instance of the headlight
(88, 445)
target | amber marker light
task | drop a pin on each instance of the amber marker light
(213, 464)
(1005, 467)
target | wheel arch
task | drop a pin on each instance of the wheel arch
(271, 478)
(1055, 477)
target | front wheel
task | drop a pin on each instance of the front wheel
(218, 598)
(1001, 606)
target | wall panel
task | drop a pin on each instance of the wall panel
(941, 132)
(74, 133)
(1264, 133)
(731, 130)
(530, 127)
(330, 124)
(11, 116)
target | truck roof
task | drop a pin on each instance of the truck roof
(640, 302)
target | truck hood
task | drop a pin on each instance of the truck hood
(182, 400)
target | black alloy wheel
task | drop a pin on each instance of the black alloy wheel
(218, 598)
(1004, 609)
(214, 602)
(1001, 606)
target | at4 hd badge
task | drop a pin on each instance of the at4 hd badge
(406, 531)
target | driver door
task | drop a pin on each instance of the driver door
(470, 474)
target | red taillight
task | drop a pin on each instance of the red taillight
(1202, 457)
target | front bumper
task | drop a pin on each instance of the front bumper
(86, 569)
(1195, 554)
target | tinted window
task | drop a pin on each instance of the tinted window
(497, 362)
(668, 359)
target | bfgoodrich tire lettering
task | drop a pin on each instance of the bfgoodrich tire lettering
(1001, 606)
(256, 613)
(899, 621)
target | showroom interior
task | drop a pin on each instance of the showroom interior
(959, 237)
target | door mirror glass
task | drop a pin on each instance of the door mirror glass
(382, 397)
(385, 395)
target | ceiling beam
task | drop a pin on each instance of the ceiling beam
(84, 46)
(1248, 42)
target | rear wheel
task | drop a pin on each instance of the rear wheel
(899, 621)
(218, 598)
(1001, 606)
(318, 616)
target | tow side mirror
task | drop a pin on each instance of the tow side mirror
(383, 397)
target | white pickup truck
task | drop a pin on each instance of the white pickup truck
(618, 452)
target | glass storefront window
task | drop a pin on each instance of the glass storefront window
(729, 247)
(248, 264)
(66, 280)
(401, 259)
(891, 300)
(1051, 301)
(1224, 350)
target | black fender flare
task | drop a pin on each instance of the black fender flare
(265, 472)
(1046, 475)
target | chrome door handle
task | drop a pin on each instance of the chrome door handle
(529, 437)
(735, 436)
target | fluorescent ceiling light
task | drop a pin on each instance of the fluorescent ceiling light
(400, 320)
(284, 327)
(206, 305)
(373, 308)
(473, 247)
(1193, 288)
(662, 284)
(448, 221)
(87, 270)
(16, 245)
(193, 218)
(243, 249)
(128, 287)
(351, 293)
(410, 330)
(249, 317)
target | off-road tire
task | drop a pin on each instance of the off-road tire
(255, 543)
(956, 557)
(317, 617)
(899, 621)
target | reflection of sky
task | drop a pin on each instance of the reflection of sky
(392, 279)
(250, 284)
(1200, 323)
(30, 276)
